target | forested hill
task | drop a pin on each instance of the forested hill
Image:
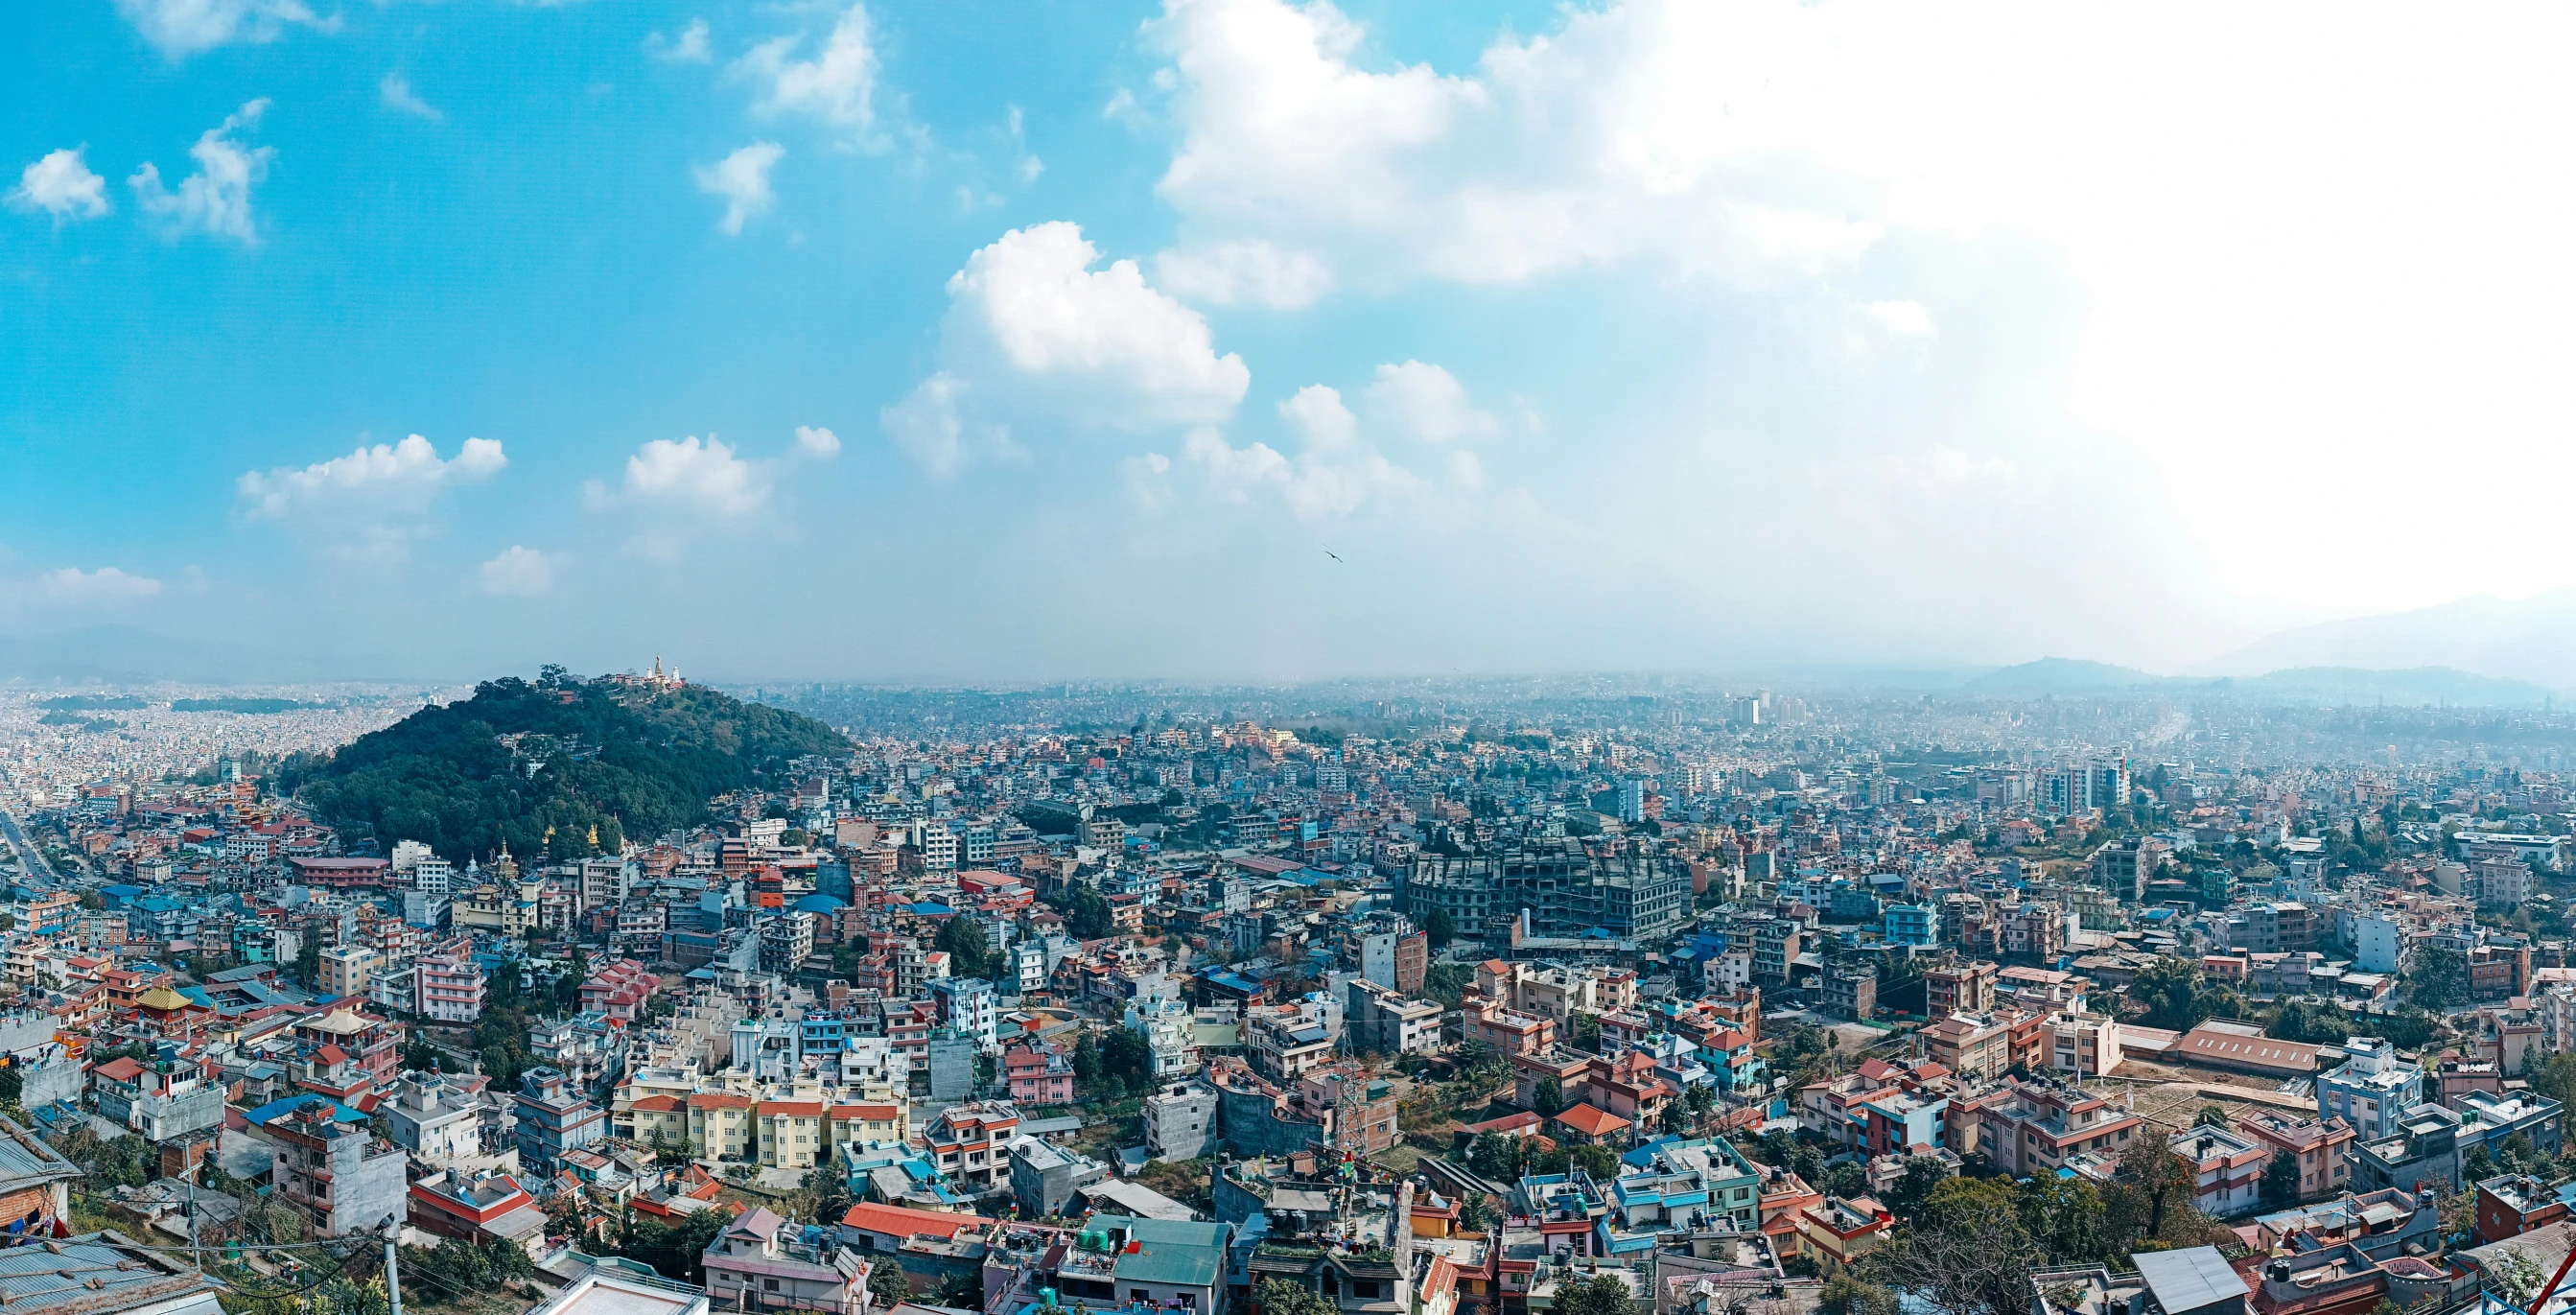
(540, 765)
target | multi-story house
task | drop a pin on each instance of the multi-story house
(971, 1143)
(448, 983)
(2025, 1129)
(2372, 1090)
(553, 1117)
(761, 1262)
(1960, 988)
(334, 1172)
(2318, 1146)
(1039, 1075)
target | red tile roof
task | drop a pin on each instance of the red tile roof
(1591, 1122)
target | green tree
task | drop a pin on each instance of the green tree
(2210, 1116)
(2169, 989)
(2152, 1198)
(1279, 1297)
(1126, 1060)
(2437, 976)
(1596, 1161)
(2281, 1181)
(969, 950)
(1922, 1174)
(1086, 1065)
(1439, 928)
(1602, 1294)
(1846, 1294)
(1548, 1098)
(886, 1285)
(1846, 1180)
(1088, 918)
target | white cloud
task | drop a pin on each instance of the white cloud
(816, 441)
(1466, 470)
(215, 200)
(836, 88)
(1029, 165)
(398, 95)
(690, 47)
(1245, 273)
(1426, 402)
(107, 584)
(702, 478)
(930, 426)
(385, 480)
(181, 28)
(1313, 485)
(1148, 479)
(1029, 316)
(742, 179)
(1610, 138)
(1904, 319)
(61, 185)
(1316, 413)
(518, 572)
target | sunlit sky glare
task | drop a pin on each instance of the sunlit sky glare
(1004, 340)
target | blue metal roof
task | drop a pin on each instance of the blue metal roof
(277, 1109)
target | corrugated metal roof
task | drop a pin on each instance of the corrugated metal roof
(34, 1278)
(2188, 1279)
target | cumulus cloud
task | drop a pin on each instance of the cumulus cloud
(61, 185)
(180, 28)
(397, 94)
(518, 572)
(388, 479)
(837, 87)
(107, 584)
(742, 179)
(1312, 485)
(706, 479)
(1245, 273)
(931, 425)
(1037, 338)
(1425, 402)
(1642, 129)
(690, 47)
(1317, 415)
(816, 441)
(215, 200)
(1904, 319)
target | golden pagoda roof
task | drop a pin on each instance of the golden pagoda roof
(163, 999)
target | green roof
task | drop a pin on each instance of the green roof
(1171, 1251)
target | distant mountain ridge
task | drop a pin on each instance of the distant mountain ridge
(2342, 686)
(2531, 639)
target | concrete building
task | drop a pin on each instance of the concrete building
(1180, 1122)
(553, 1118)
(2372, 1090)
(1044, 1177)
(331, 1169)
(761, 1261)
(2317, 1144)
(346, 970)
(1381, 1020)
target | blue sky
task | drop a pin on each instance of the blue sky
(797, 341)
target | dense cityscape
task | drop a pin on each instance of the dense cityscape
(1466, 998)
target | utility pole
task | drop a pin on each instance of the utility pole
(393, 1264)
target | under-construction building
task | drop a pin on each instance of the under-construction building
(1633, 893)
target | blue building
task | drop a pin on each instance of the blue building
(822, 1033)
(553, 1118)
(1911, 925)
(2372, 1090)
